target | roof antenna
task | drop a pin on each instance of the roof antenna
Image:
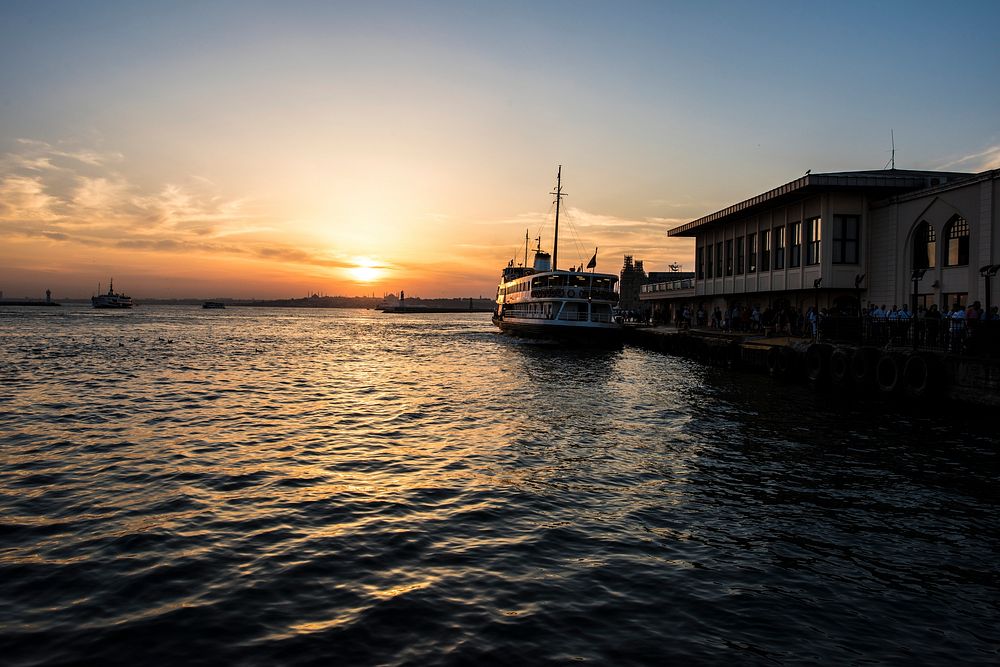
(892, 156)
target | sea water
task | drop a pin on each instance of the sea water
(283, 486)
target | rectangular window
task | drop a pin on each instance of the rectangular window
(779, 247)
(751, 253)
(814, 231)
(765, 250)
(959, 299)
(700, 262)
(718, 259)
(729, 257)
(794, 244)
(846, 235)
(739, 255)
(708, 260)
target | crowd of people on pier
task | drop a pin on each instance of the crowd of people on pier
(929, 326)
(782, 319)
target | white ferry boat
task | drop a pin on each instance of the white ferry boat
(111, 300)
(545, 302)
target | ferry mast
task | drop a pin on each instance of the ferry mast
(559, 195)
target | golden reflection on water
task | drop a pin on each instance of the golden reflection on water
(267, 483)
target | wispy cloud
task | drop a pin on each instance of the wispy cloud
(24, 198)
(77, 195)
(984, 160)
(43, 155)
(580, 231)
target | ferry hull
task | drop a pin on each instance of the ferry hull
(116, 306)
(582, 333)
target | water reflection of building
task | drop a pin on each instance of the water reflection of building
(831, 239)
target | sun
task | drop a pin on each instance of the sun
(366, 270)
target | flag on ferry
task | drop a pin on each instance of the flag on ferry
(593, 260)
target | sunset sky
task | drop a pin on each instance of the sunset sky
(276, 149)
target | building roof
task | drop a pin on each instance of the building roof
(991, 175)
(880, 183)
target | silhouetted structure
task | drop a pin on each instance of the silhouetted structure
(632, 278)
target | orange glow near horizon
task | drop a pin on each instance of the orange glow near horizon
(367, 271)
(72, 218)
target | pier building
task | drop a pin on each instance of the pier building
(835, 240)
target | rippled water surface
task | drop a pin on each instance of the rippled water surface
(261, 486)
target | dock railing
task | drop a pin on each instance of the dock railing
(958, 336)
(668, 286)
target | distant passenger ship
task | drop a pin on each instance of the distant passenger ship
(111, 300)
(544, 302)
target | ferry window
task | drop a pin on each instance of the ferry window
(846, 236)
(739, 255)
(794, 244)
(956, 234)
(751, 253)
(708, 261)
(779, 247)
(718, 259)
(814, 231)
(700, 262)
(765, 250)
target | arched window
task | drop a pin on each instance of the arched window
(956, 234)
(924, 246)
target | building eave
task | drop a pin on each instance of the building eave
(881, 183)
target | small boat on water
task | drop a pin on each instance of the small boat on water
(213, 304)
(111, 299)
(543, 301)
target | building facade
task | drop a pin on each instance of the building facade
(834, 240)
(939, 241)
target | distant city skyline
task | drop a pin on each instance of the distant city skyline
(257, 150)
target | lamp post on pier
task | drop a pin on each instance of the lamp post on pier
(918, 274)
(815, 323)
(987, 272)
(858, 279)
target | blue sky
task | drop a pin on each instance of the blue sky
(272, 147)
